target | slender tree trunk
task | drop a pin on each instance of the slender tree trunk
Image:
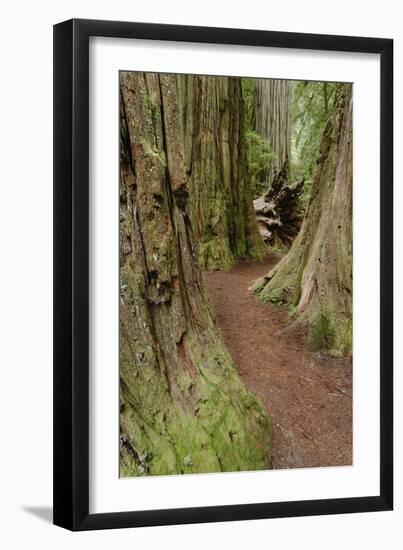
(272, 120)
(315, 278)
(183, 407)
(220, 200)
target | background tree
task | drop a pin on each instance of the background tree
(272, 120)
(312, 103)
(183, 407)
(220, 197)
(315, 278)
(259, 152)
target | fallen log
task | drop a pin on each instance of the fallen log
(278, 212)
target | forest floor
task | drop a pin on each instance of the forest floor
(308, 395)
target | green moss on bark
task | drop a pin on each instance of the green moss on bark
(220, 198)
(183, 407)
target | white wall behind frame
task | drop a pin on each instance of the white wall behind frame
(25, 290)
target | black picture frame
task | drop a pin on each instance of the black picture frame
(71, 274)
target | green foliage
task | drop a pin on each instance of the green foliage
(278, 250)
(312, 103)
(259, 157)
(259, 152)
(277, 296)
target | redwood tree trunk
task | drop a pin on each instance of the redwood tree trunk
(183, 407)
(220, 200)
(315, 278)
(272, 120)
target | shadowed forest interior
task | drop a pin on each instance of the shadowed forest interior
(235, 274)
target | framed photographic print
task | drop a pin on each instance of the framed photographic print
(223, 319)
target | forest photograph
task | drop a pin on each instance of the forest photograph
(236, 254)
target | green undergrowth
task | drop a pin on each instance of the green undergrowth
(277, 296)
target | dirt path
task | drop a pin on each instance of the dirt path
(307, 396)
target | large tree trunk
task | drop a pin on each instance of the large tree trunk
(183, 407)
(220, 200)
(272, 120)
(315, 278)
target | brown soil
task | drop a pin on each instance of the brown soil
(308, 395)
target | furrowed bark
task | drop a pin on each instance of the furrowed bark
(183, 408)
(220, 200)
(272, 120)
(315, 278)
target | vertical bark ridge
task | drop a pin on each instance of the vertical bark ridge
(272, 120)
(220, 200)
(181, 399)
